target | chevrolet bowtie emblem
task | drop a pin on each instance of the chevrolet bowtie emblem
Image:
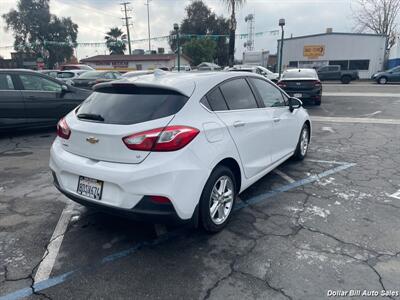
(92, 140)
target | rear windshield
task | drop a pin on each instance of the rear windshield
(91, 74)
(300, 74)
(145, 104)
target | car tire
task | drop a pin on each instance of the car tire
(213, 200)
(382, 80)
(317, 101)
(302, 145)
(345, 79)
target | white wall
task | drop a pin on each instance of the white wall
(339, 47)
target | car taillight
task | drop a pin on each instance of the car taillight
(317, 83)
(63, 130)
(281, 84)
(170, 138)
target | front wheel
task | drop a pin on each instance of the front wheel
(345, 79)
(303, 143)
(217, 199)
(382, 80)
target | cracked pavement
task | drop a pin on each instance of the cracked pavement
(340, 232)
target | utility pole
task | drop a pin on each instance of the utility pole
(148, 20)
(126, 9)
(282, 24)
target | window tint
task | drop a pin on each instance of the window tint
(270, 95)
(117, 106)
(293, 64)
(37, 83)
(238, 94)
(216, 100)
(6, 82)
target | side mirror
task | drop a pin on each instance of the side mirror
(64, 88)
(294, 103)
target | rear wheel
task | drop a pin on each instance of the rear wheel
(382, 80)
(345, 79)
(303, 143)
(218, 199)
(317, 101)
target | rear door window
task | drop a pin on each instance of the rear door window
(238, 94)
(132, 105)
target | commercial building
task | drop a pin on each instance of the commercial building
(352, 51)
(135, 62)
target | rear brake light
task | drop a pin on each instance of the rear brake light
(170, 138)
(317, 83)
(63, 130)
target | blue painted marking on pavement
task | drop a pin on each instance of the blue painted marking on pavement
(53, 281)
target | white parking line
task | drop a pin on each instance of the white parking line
(379, 95)
(355, 120)
(46, 266)
(284, 175)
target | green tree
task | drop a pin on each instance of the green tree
(200, 50)
(200, 20)
(232, 5)
(39, 32)
(115, 41)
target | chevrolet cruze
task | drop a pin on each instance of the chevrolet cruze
(176, 145)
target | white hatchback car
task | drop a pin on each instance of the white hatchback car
(180, 145)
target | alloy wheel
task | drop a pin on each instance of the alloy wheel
(221, 200)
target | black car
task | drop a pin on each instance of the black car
(90, 78)
(31, 99)
(303, 84)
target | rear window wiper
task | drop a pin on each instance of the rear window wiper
(94, 117)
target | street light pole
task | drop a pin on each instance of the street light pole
(176, 27)
(148, 21)
(281, 23)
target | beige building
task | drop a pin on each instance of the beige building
(135, 62)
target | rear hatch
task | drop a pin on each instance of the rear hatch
(99, 125)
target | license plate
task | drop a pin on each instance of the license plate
(89, 187)
(298, 95)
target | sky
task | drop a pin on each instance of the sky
(95, 17)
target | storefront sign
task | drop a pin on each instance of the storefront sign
(314, 51)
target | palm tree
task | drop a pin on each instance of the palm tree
(115, 41)
(232, 6)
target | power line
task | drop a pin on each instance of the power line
(126, 9)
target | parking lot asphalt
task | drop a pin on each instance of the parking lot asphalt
(329, 223)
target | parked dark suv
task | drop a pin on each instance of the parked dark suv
(32, 99)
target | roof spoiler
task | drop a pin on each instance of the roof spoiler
(131, 86)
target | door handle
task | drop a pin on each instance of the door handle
(277, 120)
(238, 124)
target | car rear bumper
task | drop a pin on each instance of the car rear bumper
(178, 176)
(305, 94)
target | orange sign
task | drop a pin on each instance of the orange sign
(314, 51)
